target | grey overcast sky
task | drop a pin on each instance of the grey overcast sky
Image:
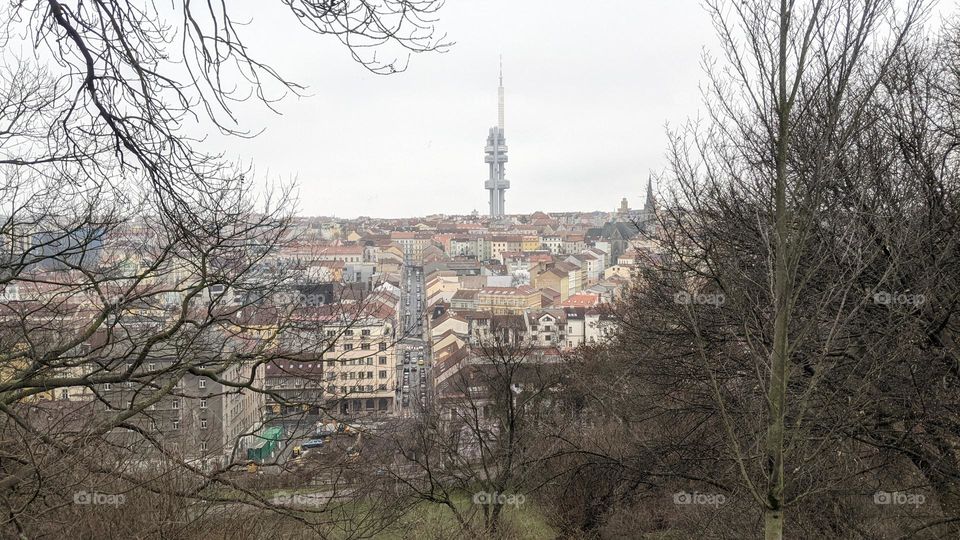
(588, 95)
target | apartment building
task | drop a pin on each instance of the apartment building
(463, 246)
(576, 277)
(508, 300)
(199, 420)
(464, 299)
(505, 243)
(360, 366)
(574, 243)
(553, 243)
(553, 278)
(412, 243)
(529, 242)
(346, 254)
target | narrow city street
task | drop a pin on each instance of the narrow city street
(413, 360)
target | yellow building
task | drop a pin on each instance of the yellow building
(555, 279)
(508, 300)
(529, 242)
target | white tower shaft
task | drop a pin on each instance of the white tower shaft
(500, 98)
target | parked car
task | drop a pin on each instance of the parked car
(312, 443)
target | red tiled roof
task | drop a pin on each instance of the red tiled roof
(581, 300)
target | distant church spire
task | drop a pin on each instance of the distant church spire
(648, 205)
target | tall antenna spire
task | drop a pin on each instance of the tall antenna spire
(500, 98)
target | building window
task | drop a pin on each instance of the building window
(369, 361)
(203, 403)
(383, 374)
(176, 404)
(365, 332)
(365, 346)
(203, 423)
(203, 446)
(176, 424)
(382, 346)
(348, 332)
(348, 346)
(202, 383)
(106, 386)
(383, 360)
(152, 366)
(369, 403)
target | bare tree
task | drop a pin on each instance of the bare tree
(478, 438)
(787, 325)
(136, 265)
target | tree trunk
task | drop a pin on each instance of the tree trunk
(782, 290)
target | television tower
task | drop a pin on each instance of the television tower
(496, 156)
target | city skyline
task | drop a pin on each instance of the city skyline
(587, 124)
(258, 278)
